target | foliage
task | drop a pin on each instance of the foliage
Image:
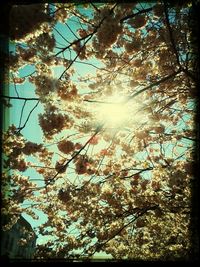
(119, 185)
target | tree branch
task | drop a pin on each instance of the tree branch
(96, 8)
(154, 84)
(22, 111)
(135, 14)
(143, 211)
(19, 98)
(15, 85)
(171, 34)
(76, 154)
(99, 102)
(75, 57)
(29, 116)
(174, 45)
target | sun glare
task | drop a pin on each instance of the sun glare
(113, 114)
(116, 112)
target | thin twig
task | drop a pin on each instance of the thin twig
(15, 85)
(28, 116)
(76, 154)
(135, 14)
(19, 98)
(22, 111)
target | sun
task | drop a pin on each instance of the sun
(113, 114)
(114, 111)
(118, 112)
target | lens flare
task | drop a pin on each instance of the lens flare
(114, 111)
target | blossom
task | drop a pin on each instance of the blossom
(104, 152)
(26, 19)
(64, 196)
(81, 165)
(31, 148)
(18, 80)
(19, 164)
(45, 41)
(133, 46)
(94, 140)
(140, 222)
(60, 167)
(144, 184)
(52, 123)
(159, 129)
(67, 92)
(138, 21)
(108, 32)
(155, 185)
(78, 146)
(66, 146)
(141, 134)
(43, 82)
(107, 189)
(189, 167)
(82, 33)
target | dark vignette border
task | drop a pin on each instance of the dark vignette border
(194, 25)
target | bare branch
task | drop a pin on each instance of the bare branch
(20, 98)
(135, 14)
(22, 127)
(154, 84)
(76, 154)
(22, 113)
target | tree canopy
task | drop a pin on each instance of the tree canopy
(114, 87)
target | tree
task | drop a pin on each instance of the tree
(118, 86)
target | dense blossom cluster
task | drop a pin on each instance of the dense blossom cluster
(44, 84)
(109, 31)
(67, 93)
(31, 148)
(26, 19)
(52, 123)
(66, 146)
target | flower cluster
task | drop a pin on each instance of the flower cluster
(19, 164)
(44, 85)
(108, 32)
(62, 13)
(66, 146)
(133, 46)
(12, 143)
(18, 80)
(138, 21)
(60, 167)
(80, 50)
(45, 42)
(94, 140)
(31, 148)
(28, 55)
(64, 195)
(66, 91)
(107, 189)
(81, 165)
(26, 19)
(83, 33)
(141, 134)
(52, 123)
